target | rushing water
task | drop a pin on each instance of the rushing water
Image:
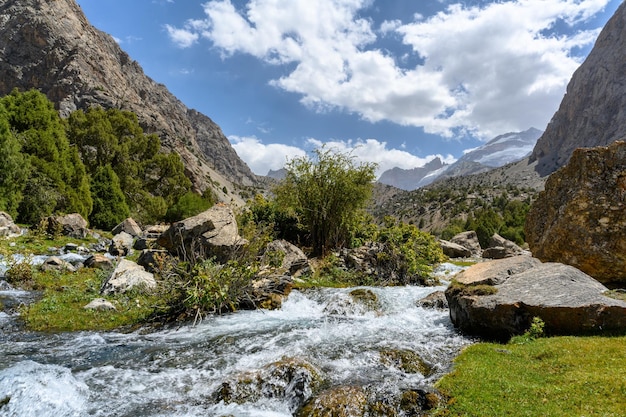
(175, 372)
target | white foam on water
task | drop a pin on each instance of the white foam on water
(176, 372)
(33, 389)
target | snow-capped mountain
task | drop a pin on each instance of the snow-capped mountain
(499, 151)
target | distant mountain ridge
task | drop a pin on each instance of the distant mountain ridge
(499, 151)
(50, 46)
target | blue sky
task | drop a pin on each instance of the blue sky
(394, 82)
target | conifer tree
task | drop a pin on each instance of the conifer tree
(14, 167)
(109, 204)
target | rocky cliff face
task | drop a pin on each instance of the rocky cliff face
(50, 45)
(593, 111)
(580, 218)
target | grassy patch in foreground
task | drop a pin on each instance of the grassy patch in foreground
(560, 376)
(65, 295)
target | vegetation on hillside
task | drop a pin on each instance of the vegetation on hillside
(445, 210)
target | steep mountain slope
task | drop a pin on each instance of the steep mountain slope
(50, 46)
(593, 111)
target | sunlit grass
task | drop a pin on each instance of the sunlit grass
(560, 376)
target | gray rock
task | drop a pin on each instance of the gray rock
(468, 240)
(293, 260)
(98, 261)
(454, 250)
(129, 226)
(591, 112)
(72, 225)
(100, 304)
(121, 245)
(55, 263)
(500, 247)
(126, 276)
(212, 233)
(436, 300)
(565, 298)
(7, 227)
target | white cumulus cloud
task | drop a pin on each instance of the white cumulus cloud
(262, 157)
(482, 70)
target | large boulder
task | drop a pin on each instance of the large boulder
(285, 256)
(129, 226)
(7, 227)
(127, 276)
(500, 248)
(121, 244)
(72, 225)
(498, 299)
(468, 240)
(454, 250)
(580, 218)
(212, 233)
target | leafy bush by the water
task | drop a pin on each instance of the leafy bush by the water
(216, 288)
(408, 251)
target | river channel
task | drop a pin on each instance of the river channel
(176, 372)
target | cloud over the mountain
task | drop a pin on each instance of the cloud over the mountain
(482, 70)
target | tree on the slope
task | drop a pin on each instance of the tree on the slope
(14, 167)
(109, 204)
(58, 181)
(150, 179)
(328, 192)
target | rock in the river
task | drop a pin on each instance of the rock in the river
(343, 401)
(580, 218)
(436, 300)
(72, 225)
(454, 250)
(292, 379)
(100, 304)
(212, 233)
(267, 292)
(126, 276)
(468, 240)
(565, 298)
(129, 226)
(7, 227)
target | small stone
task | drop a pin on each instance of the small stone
(100, 304)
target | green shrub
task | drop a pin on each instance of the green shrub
(188, 205)
(216, 288)
(408, 252)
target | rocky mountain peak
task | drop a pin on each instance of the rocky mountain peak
(593, 111)
(50, 45)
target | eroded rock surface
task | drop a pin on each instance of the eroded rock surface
(565, 298)
(580, 218)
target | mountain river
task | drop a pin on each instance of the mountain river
(176, 371)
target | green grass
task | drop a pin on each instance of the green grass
(560, 377)
(65, 295)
